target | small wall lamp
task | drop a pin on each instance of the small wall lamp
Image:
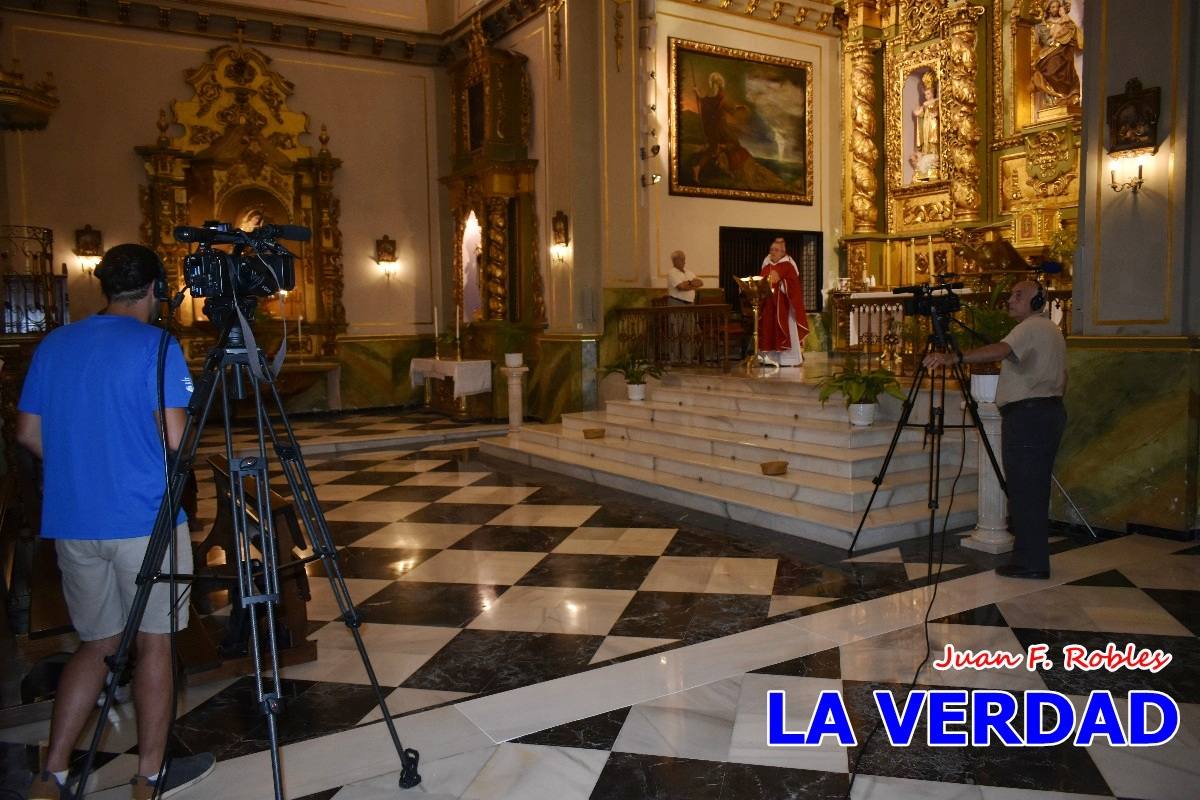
(560, 239)
(385, 255)
(1130, 183)
(89, 247)
(651, 179)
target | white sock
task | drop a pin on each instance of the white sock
(62, 776)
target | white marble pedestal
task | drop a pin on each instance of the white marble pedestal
(991, 531)
(516, 398)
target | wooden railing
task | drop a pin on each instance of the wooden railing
(696, 335)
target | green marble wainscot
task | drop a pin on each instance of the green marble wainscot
(614, 301)
(564, 377)
(375, 370)
(1130, 451)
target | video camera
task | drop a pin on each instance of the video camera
(231, 282)
(937, 299)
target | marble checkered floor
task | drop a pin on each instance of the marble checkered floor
(541, 637)
(348, 432)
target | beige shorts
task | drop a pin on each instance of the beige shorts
(100, 580)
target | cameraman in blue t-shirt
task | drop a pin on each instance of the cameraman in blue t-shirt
(90, 411)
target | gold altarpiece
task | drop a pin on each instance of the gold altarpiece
(958, 133)
(239, 159)
(493, 178)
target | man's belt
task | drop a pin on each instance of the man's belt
(1030, 402)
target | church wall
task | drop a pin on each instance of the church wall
(1132, 265)
(648, 223)
(1131, 450)
(383, 121)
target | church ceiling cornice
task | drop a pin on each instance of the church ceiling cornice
(815, 16)
(261, 26)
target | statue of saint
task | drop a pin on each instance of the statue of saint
(1057, 40)
(924, 159)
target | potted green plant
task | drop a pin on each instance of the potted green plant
(635, 370)
(861, 390)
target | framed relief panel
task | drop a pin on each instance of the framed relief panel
(741, 124)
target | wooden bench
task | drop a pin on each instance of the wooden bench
(217, 650)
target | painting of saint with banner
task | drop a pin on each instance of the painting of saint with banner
(741, 124)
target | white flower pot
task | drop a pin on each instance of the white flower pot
(514, 359)
(862, 414)
(983, 388)
(636, 391)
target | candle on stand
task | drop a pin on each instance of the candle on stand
(300, 331)
(435, 325)
(932, 271)
(456, 321)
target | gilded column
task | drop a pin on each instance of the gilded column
(496, 253)
(960, 110)
(864, 149)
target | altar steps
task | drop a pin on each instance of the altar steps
(700, 441)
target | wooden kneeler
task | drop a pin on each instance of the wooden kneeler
(200, 646)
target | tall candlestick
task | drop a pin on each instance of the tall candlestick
(435, 321)
(300, 331)
(932, 271)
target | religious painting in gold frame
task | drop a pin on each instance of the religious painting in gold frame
(741, 124)
(1038, 63)
(916, 175)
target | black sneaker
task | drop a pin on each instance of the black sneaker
(182, 772)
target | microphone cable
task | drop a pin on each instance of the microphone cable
(937, 581)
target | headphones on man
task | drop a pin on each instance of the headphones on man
(161, 290)
(1038, 300)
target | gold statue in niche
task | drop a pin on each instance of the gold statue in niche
(1058, 39)
(924, 159)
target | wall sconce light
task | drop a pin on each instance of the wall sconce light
(385, 255)
(1132, 131)
(651, 179)
(89, 247)
(560, 239)
(1132, 184)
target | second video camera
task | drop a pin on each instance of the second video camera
(932, 299)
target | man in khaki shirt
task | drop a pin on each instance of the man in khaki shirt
(1033, 378)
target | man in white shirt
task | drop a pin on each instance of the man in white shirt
(1033, 379)
(681, 283)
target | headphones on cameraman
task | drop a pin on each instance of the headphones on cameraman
(1038, 300)
(161, 290)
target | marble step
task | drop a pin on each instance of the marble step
(757, 394)
(765, 426)
(859, 462)
(817, 488)
(833, 527)
(785, 383)
(799, 407)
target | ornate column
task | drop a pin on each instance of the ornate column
(323, 212)
(864, 148)
(495, 259)
(960, 106)
(991, 530)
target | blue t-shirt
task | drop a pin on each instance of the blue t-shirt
(94, 383)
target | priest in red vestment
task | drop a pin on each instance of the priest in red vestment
(783, 324)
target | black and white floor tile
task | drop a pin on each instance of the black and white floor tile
(479, 581)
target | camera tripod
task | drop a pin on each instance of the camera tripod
(938, 341)
(228, 368)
